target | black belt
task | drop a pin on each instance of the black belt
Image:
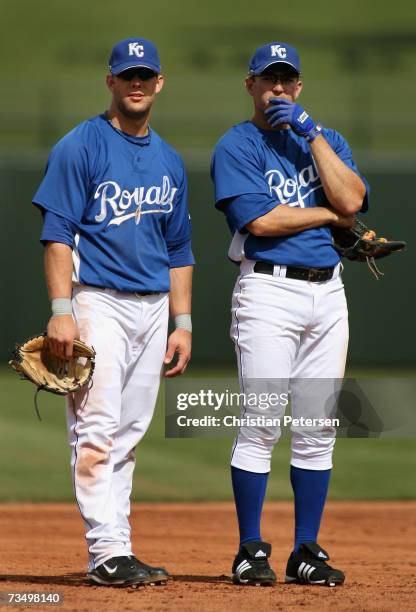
(144, 293)
(313, 275)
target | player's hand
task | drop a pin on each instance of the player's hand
(62, 331)
(284, 111)
(179, 343)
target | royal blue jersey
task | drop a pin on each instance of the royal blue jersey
(126, 197)
(255, 170)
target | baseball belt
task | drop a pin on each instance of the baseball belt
(312, 275)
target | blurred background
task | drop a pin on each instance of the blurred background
(358, 61)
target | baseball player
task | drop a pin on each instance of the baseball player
(282, 180)
(117, 259)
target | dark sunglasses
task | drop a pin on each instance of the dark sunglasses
(279, 77)
(144, 74)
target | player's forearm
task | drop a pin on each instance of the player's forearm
(343, 188)
(180, 296)
(58, 270)
(285, 220)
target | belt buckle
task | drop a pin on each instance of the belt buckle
(317, 276)
(313, 275)
(145, 293)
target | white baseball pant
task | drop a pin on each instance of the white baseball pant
(106, 422)
(288, 333)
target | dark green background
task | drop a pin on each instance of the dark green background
(381, 312)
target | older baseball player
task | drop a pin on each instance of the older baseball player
(117, 259)
(282, 180)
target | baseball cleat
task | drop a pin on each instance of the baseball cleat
(251, 566)
(119, 571)
(156, 574)
(308, 566)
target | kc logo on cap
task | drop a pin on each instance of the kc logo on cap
(273, 53)
(278, 50)
(136, 49)
(134, 53)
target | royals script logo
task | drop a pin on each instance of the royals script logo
(118, 203)
(293, 191)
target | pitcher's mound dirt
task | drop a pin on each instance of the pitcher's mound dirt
(43, 550)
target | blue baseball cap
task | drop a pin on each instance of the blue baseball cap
(273, 53)
(134, 53)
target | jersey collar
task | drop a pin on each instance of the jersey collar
(137, 140)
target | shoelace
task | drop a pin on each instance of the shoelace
(124, 562)
(318, 563)
(260, 563)
(131, 562)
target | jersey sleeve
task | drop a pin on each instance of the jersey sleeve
(64, 188)
(241, 191)
(343, 150)
(243, 209)
(179, 229)
(236, 169)
(57, 229)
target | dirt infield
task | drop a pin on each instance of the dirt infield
(43, 550)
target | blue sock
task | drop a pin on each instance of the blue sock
(249, 491)
(310, 488)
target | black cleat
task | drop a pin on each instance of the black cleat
(251, 565)
(308, 566)
(119, 571)
(156, 574)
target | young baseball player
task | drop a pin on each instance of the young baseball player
(282, 180)
(117, 259)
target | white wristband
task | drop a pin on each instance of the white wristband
(183, 321)
(61, 306)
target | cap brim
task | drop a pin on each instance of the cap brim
(263, 68)
(116, 70)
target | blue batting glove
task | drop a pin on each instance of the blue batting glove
(283, 111)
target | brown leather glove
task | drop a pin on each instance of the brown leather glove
(359, 243)
(35, 362)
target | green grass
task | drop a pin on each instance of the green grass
(34, 459)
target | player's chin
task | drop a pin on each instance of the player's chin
(135, 109)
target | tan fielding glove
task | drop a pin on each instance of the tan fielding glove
(35, 362)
